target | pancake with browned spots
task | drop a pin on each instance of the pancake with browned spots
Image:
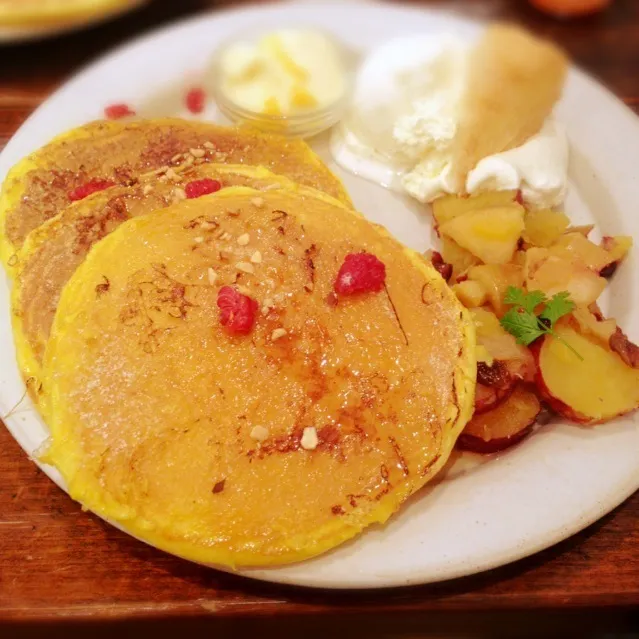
(55, 249)
(274, 445)
(44, 183)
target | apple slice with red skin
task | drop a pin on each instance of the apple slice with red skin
(618, 248)
(627, 350)
(503, 426)
(494, 385)
(591, 390)
(524, 368)
(487, 397)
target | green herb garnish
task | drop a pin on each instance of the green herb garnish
(526, 325)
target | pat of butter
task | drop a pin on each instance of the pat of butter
(244, 63)
(283, 73)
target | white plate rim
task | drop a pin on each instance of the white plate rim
(315, 573)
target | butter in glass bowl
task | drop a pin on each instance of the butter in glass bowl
(293, 81)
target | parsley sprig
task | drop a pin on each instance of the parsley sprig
(526, 325)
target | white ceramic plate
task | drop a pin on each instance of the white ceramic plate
(10, 34)
(477, 516)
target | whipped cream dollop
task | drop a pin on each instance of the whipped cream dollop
(403, 119)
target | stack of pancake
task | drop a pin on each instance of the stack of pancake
(187, 435)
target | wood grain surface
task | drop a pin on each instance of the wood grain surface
(59, 564)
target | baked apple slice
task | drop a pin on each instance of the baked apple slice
(618, 245)
(583, 229)
(621, 345)
(494, 385)
(551, 273)
(544, 227)
(576, 246)
(617, 248)
(504, 426)
(451, 206)
(460, 259)
(470, 293)
(602, 259)
(593, 326)
(489, 234)
(502, 347)
(496, 280)
(487, 398)
(592, 390)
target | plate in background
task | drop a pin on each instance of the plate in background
(10, 34)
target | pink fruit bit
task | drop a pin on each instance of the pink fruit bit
(360, 273)
(198, 188)
(196, 100)
(89, 188)
(237, 311)
(118, 111)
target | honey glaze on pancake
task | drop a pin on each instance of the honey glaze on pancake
(151, 404)
(55, 249)
(38, 187)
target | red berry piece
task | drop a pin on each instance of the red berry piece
(198, 188)
(89, 188)
(118, 111)
(519, 198)
(196, 100)
(360, 273)
(237, 311)
(444, 269)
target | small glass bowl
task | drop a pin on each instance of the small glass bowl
(304, 124)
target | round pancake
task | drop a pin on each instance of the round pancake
(37, 12)
(55, 249)
(38, 187)
(152, 404)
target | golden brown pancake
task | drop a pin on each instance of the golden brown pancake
(55, 249)
(153, 405)
(42, 184)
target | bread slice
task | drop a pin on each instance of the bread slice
(514, 80)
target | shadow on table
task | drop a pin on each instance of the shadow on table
(467, 625)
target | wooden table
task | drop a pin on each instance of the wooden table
(60, 565)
